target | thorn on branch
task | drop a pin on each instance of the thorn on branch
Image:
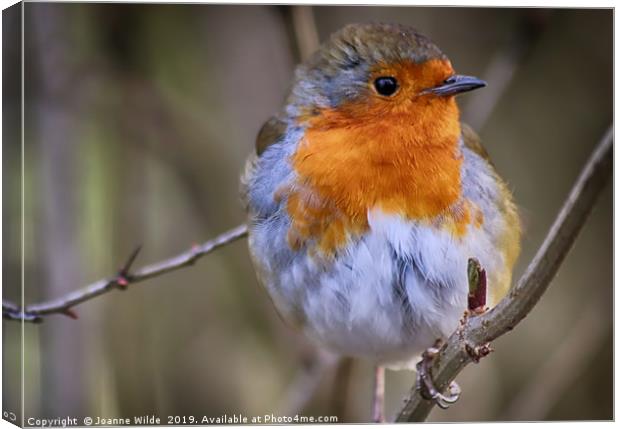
(124, 277)
(477, 277)
(70, 313)
(122, 282)
(36, 312)
(125, 270)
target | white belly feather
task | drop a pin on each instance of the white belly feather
(393, 291)
(390, 295)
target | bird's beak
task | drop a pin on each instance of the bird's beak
(456, 84)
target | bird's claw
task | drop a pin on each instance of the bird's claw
(424, 381)
(444, 401)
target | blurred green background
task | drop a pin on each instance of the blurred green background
(138, 119)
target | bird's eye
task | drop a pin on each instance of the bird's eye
(386, 85)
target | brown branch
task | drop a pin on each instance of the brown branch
(64, 305)
(476, 331)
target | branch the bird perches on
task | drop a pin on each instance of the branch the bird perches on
(465, 345)
(470, 339)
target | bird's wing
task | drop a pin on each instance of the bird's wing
(507, 239)
(270, 132)
(472, 142)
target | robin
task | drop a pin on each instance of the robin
(367, 197)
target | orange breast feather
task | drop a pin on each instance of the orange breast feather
(400, 156)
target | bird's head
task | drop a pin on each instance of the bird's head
(381, 125)
(367, 71)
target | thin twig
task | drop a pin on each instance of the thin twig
(11, 311)
(125, 277)
(477, 331)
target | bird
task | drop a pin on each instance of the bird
(367, 196)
